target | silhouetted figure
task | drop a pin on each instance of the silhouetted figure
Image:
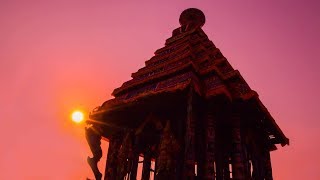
(93, 136)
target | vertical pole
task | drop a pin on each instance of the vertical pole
(111, 164)
(146, 166)
(168, 152)
(219, 169)
(125, 156)
(238, 169)
(268, 167)
(189, 153)
(246, 160)
(209, 172)
(134, 166)
(255, 166)
(226, 171)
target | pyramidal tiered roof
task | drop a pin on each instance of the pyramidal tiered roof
(189, 58)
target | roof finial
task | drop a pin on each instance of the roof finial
(192, 17)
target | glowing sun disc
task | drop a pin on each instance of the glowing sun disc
(77, 116)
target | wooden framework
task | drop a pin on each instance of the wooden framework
(190, 112)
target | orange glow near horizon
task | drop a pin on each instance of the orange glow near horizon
(59, 57)
(77, 116)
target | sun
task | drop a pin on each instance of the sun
(77, 116)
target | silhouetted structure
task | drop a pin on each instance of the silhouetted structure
(190, 112)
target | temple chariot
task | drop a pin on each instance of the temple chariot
(189, 112)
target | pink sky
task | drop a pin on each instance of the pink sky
(56, 56)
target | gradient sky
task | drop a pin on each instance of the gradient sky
(57, 56)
